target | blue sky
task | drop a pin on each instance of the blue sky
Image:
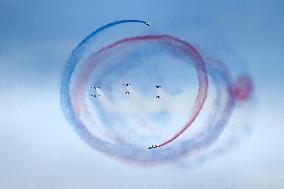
(38, 148)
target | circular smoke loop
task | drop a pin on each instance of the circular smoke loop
(152, 99)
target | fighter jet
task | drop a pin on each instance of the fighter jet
(95, 95)
(158, 86)
(96, 87)
(158, 96)
(147, 23)
(153, 146)
(127, 93)
(126, 84)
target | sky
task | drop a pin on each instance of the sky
(39, 149)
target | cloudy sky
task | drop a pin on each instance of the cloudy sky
(38, 149)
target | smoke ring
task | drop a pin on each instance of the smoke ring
(71, 98)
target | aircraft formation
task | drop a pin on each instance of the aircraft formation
(128, 93)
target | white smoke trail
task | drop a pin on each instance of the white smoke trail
(136, 102)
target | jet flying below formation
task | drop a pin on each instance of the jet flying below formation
(153, 146)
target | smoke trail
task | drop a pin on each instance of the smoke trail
(124, 122)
